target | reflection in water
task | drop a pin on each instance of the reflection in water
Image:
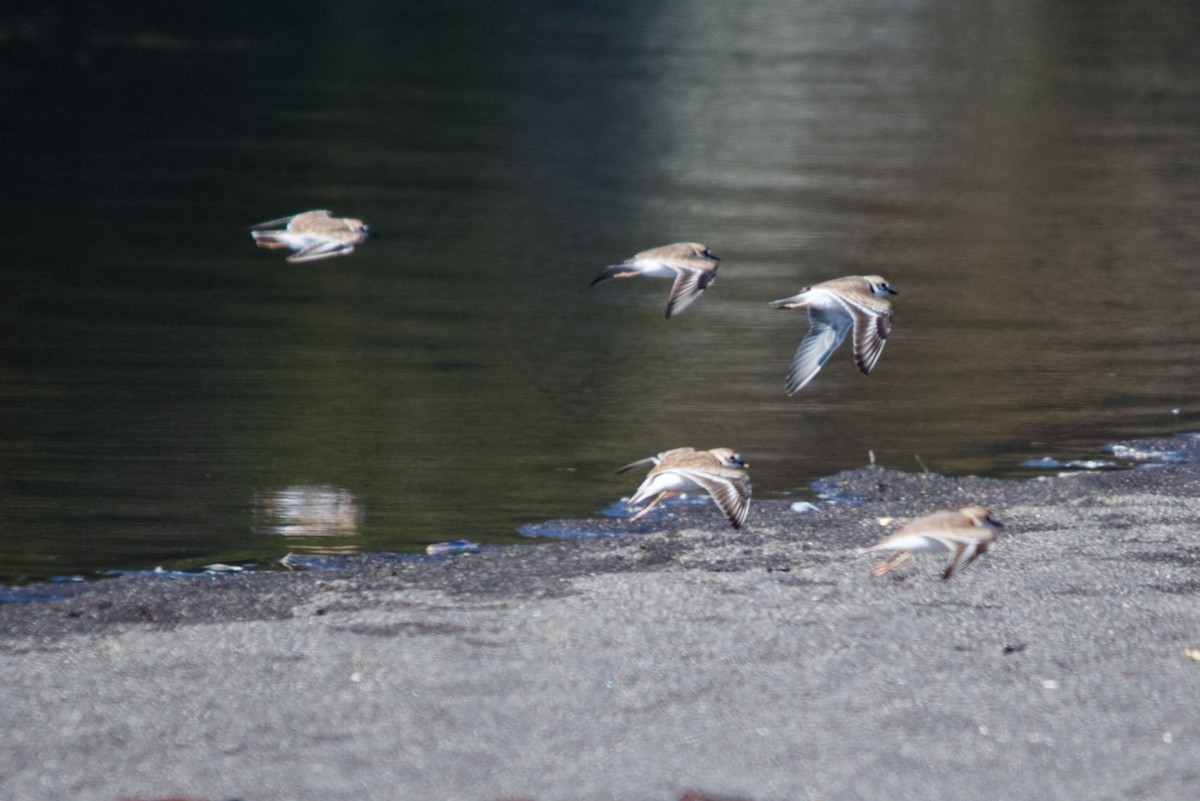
(310, 511)
(1024, 173)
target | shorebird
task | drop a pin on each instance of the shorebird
(312, 234)
(692, 265)
(835, 308)
(720, 472)
(966, 534)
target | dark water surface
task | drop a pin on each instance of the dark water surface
(1026, 174)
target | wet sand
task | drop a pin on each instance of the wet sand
(765, 664)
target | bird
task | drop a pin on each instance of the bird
(835, 308)
(312, 234)
(692, 265)
(720, 472)
(966, 534)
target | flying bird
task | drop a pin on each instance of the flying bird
(692, 265)
(966, 535)
(720, 472)
(313, 235)
(853, 303)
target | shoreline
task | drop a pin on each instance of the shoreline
(1181, 448)
(761, 664)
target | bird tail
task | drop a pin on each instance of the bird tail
(794, 302)
(267, 239)
(616, 271)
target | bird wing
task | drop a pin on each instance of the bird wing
(964, 554)
(649, 460)
(730, 490)
(871, 329)
(827, 329)
(687, 288)
(657, 458)
(321, 249)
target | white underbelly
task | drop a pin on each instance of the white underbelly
(664, 482)
(911, 542)
(653, 268)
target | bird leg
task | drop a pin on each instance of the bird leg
(657, 498)
(883, 568)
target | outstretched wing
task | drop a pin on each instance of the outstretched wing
(730, 490)
(658, 457)
(871, 329)
(649, 460)
(321, 249)
(687, 288)
(827, 329)
(964, 554)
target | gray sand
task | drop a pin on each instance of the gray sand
(766, 664)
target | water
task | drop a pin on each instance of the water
(1027, 176)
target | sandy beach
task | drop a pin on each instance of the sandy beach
(765, 664)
